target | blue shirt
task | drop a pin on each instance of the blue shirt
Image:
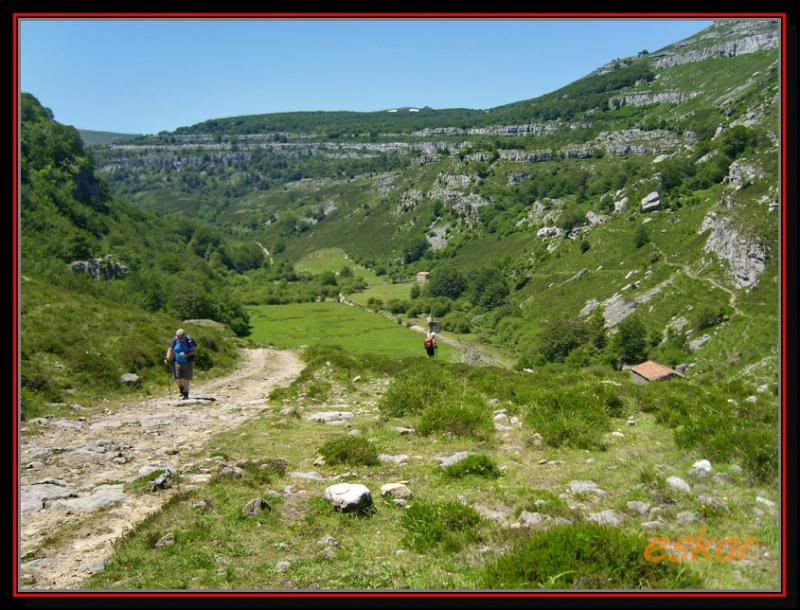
(186, 344)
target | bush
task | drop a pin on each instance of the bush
(414, 388)
(584, 556)
(709, 318)
(456, 322)
(461, 413)
(352, 450)
(641, 237)
(480, 465)
(560, 336)
(489, 289)
(572, 415)
(439, 525)
(397, 306)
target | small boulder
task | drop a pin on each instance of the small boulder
(606, 517)
(582, 487)
(528, 519)
(392, 459)
(395, 490)
(678, 484)
(768, 503)
(651, 202)
(639, 507)
(687, 517)
(305, 476)
(282, 566)
(348, 497)
(328, 540)
(444, 462)
(166, 540)
(712, 501)
(402, 431)
(231, 472)
(130, 379)
(652, 525)
(700, 469)
(254, 507)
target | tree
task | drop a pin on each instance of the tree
(630, 343)
(415, 251)
(560, 336)
(489, 289)
(447, 281)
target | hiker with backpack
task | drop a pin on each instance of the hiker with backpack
(430, 344)
(183, 349)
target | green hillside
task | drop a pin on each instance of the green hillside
(631, 215)
(95, 138)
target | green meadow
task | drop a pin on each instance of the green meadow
(333, 259)
(290, 326)
(383, 292)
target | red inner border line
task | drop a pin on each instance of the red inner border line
(333, 15)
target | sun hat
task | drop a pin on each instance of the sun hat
(180, 332)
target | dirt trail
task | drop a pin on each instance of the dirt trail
(63, 538)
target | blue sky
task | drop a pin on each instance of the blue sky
(144, 76)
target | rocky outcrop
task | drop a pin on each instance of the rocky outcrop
(651, 202)
(409, 200)
(105, 268)
(450, 190)
(740, 45)
(745, 256)
(528, 129)
(645, 98)
(740, 173)
(526, 156)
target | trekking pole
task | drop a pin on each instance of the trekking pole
(167, 371)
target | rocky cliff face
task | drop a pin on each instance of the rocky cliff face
(105, 268)
(745, 256)
(645, 98)
(744, 37)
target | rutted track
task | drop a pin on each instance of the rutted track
(63, 540)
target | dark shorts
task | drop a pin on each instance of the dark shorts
(431, 351)
(182, 370)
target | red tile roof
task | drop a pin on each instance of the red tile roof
(652, 370)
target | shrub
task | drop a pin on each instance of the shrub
(456, 322)
(641, 237)
(480, 465)
(461, 413)
(352, 450)
(397, 306)
(489, 289)
(584, 556)
(414, 388)
(709, 318)
(444, 525)
(572, 416)
(560, 336)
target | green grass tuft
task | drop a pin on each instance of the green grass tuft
(440, 525)
(479, 465)
(584, 556)
(352, 450)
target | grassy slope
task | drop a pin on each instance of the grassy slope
(75, 347)
(219, 549)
